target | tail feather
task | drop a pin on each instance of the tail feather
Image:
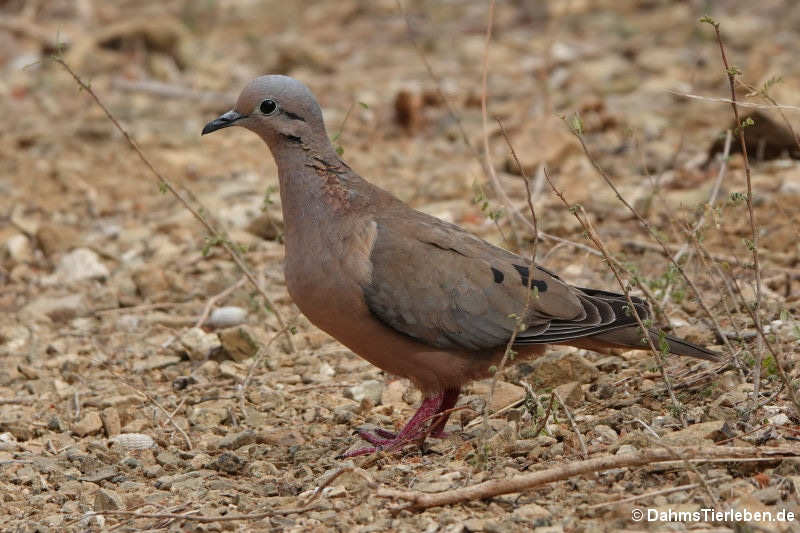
(631, 337)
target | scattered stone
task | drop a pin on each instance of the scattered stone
(19, 249)
(155, 362)
(694, 435)
(167, 458)
(626, 448)
(199, 344)
(606, 433)
(201, 461)
(81, 264)
(234, 441)
(530, 512)
(151, 282)
(561, 367)
(229, 463)
(571, 393)
(55, 238)
(107, 500)
(370, 389)
(57, 308)
(207, 416)
(88, 425)
(55, 424)
(111, 421)
(393, 392)
(229, 369)
(226, 317)
(505, 394)
(239, 343)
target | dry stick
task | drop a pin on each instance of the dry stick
(201, 518)
(592, 235)
(712, 198)
(256, 361)
(572, 423)
(489, 489)
(165, 183)
(762, 335)
(733, 101)
(519, 322)
(645, 224)
(159, 406)
(731, 73)
(648, 495)
(465, 138)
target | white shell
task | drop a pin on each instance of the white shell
(134, 441)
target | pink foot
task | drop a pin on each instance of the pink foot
(415, 428)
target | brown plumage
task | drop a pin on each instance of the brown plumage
(412, 294)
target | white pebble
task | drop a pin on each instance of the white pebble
(134, 441)
(226, 317)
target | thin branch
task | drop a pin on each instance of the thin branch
(166, 184)
(572, 423)
(731, 73)
(489, 489)
(592, 235)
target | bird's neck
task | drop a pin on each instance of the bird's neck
(315, 185)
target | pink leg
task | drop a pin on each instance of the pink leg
(430, 406)
(449, 400)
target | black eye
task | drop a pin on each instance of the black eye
(268, 106)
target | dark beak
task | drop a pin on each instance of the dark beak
(228, 119)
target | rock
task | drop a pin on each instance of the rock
(571, 393)
(201, 461)
(88, 425)
(107, 500)
(229, 369)
(167, 458)
(226, 317)
(19, 249)
(505, 394)
(779, 419)
(207, 416)
(234, 441)
(199, 344)
(154, 362)
(561, 367)
(81, 264)
(239, 343)
(57, 308)
(547, 141)
(229, 463)
(529, 513)
(111, 421)
(370, 389)
(606, 433)
(393, 392)
(625, 449)
(694, 434)
(151, 282)
(55, 238)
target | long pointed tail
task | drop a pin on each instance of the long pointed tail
(631, 337)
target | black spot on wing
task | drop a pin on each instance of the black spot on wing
(540, 285)
(498, 276)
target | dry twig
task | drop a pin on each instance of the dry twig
(489, 489)
(167, 185)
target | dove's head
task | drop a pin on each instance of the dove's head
(281, 110)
